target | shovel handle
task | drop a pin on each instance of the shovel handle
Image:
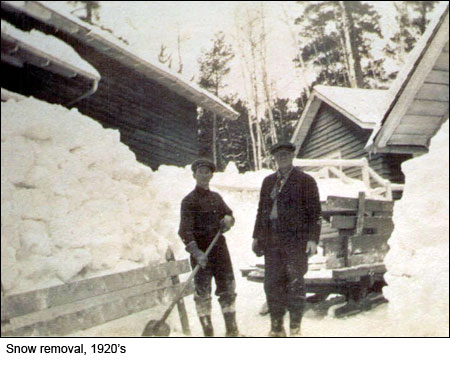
(188, 281)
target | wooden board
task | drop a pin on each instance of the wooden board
(415, 140)
(358, 271)
(418, 125)
(433, 91)
(442, 62)
(346, 204)
(28, 302)
(366, 243)
(380, 224)
(437, 76)
(83, 314)
(427, 107)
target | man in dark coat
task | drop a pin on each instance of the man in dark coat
(203, 214)
(287, 230)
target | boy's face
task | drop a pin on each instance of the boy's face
(203, 175)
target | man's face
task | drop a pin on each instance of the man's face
(203, 175)
(284, 158)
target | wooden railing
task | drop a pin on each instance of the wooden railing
(375, 184)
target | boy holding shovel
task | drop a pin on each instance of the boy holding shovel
(203, 214)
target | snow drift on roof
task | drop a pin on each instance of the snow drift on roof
(49, 45)
(185, 87)
(366, 106)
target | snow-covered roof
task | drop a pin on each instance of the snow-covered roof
(364, 107)
(417, 71)
(114, 48)
(383, 110)
(42, 47)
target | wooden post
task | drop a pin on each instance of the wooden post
(365, 174)
(3, 308)
(388, 190)
(361, 213)
(180, 305)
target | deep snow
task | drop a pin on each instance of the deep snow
(75, 203)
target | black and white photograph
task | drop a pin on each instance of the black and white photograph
(252, 169)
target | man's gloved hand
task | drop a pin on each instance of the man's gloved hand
(199, 256)
(226, 223)
(256, 248)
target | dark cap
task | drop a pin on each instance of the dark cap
(282, 145)
(203, 162)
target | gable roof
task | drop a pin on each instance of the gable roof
(364, 107)
(415, 105)
(418, 99)
(116, 50)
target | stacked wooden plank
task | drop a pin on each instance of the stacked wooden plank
(364, 227)
(64, 309)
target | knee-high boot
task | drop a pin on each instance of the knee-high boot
(230, 324)
(207, 326)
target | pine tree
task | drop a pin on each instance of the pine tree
(214, 66)
(338, 36)
(234, 139)
(412, 18)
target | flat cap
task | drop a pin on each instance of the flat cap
(282, 145)
(203, 162)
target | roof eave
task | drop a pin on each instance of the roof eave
(26, 53)
(37, 10)
(413, 81)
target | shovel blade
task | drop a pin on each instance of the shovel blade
(156, 328)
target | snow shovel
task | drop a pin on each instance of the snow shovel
(160, 327)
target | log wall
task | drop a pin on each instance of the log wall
(158, 125)
(331, 132)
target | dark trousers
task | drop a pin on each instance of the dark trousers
(286, 263)
(220, 268)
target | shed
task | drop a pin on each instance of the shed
(385, 126)
(418, 99)
(154, 109)
(337, 123)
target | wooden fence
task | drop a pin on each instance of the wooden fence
(65, 309)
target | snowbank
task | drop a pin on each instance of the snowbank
(418, 262)
(76, 203)
(74, 200)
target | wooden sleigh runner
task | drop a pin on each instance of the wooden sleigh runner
(355, 235)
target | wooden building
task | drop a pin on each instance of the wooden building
(418, 99)
(154, 109)
(386, 127)
(338, 122)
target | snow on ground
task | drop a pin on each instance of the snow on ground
(76, 203)
(418, 262)
(50, 45)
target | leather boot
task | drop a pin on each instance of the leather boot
(295, 323)
(277, 327)
(230, 324)
(207, 326)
